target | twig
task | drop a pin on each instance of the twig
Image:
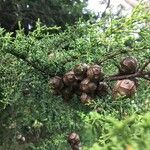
(137, 74)
(104, 13)
(43, 69)
(110, 56)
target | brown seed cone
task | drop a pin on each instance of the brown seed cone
(85, 98)
(79, 77)
(26, 92)
(75, 85)
(57, 83)
(76, 88)
(69, 78)
(94, 73)
(80, 69)
(125, 88)
(87, 86)
(73, 139)
(102, 89)
(67, 94)
(128, 65)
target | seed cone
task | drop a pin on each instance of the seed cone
(74, 141)
(80, 71)
(125, 88)
(94, 73)
(69, 78)
(57, 83)
(26, 92)
(102, 89)
(85, 98)
(75, 85)
(87, 86)
(67, 94)
(128, 65)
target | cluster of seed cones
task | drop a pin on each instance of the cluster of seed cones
(84, 80)
(87, 81)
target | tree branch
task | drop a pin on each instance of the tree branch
(42, 69)
(104, 13)
(45, 69)
(110, 56)
(137, 74)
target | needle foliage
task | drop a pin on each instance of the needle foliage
(29, 109)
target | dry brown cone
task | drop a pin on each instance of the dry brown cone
(69, 78)
(126, 88)
(87, 86)
(94, 73)
(75, 85)
(26, 92)
(57, 83)
(128, 66)
(74, 141)
(67, 94)
(80, 71)
(85, 98)
(76, 88)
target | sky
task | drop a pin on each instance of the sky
(94, 5)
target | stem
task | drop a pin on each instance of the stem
(110, 56)
(137, 74)
(39, 67)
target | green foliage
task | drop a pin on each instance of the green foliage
(111, 133)
(28, 107)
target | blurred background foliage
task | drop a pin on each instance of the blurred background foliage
(50, 12)
(28, 108)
